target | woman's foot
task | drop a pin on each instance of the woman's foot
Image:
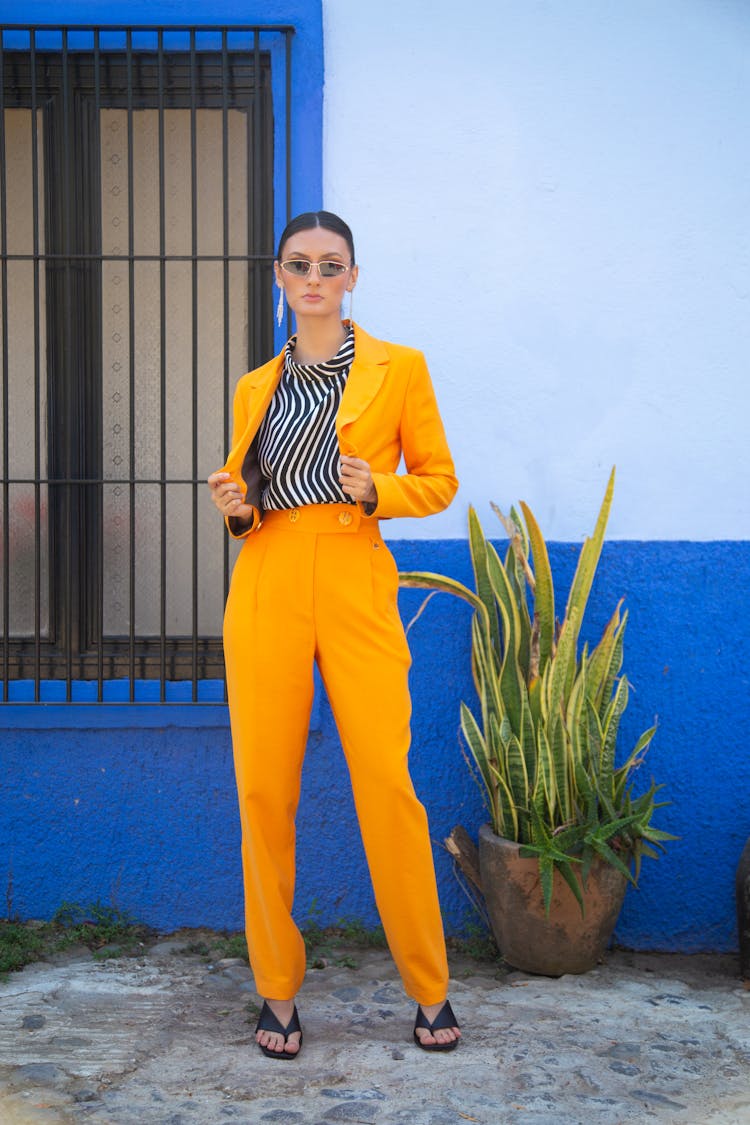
(436, 1028)
(278, 1033)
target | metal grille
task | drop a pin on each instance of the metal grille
(136, 246)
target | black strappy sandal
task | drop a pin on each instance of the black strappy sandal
(444, 1018)
(267, 1021)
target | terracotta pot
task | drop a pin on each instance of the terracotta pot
(564, 942)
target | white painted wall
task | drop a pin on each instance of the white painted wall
(552, 199)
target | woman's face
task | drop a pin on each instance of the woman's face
(314, 295)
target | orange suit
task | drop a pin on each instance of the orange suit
(317, 583)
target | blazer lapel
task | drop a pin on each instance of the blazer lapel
(365, 380)
(263, 382)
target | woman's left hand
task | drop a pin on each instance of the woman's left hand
(356, 480)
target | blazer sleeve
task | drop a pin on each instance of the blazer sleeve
(238, 529)
(429, 483)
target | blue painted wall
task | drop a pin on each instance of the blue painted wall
(601, 273)
(146, 815)
(307, 64)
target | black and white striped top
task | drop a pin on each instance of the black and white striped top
(298, 450)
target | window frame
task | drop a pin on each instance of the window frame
(194, 658)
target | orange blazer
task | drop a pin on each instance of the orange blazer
(388, 408)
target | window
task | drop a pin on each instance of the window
(136, 230)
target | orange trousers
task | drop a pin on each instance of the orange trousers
(317, 583)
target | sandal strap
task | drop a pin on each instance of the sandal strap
(445, 1018)
(267, 1021)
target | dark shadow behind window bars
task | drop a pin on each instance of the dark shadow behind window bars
(66, 85)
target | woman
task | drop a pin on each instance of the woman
(318, 436)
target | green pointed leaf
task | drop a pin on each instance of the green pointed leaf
(424, 580)
(546, 780)
(611, 726)
(605, 662)
(623, 774)
(547, 874)
(478, 747)
(485, 670)
(519, 544)
(610, 856)
(478, 546)
(588, 561)
(518, 781)
(656, 835)
(544, 596)
(563, 766)
(570, 878)
(507, 823)
(528, 736)
(518, 573)
(510, 674)
(562, 669)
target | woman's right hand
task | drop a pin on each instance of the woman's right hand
(228, 497)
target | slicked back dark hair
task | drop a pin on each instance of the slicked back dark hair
(309, 220)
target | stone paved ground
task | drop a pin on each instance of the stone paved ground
(167, 1039)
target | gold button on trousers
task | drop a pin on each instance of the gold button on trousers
(323, 587)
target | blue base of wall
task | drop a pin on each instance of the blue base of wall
(137, 806)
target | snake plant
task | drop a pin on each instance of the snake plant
(545, 735)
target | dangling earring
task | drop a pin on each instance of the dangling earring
(280, 307)
(351, 305)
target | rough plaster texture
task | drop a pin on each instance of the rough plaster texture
(550, 199)
(147, 817)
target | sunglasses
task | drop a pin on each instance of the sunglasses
(300, 267)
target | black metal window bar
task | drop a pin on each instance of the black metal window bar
(136, 240)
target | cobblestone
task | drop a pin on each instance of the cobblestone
(167, 1039)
